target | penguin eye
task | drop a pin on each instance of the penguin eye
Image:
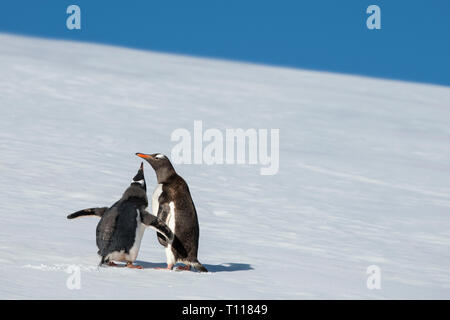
(160, 156)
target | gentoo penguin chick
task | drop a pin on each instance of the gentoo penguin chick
(122, 226)
(172, 203)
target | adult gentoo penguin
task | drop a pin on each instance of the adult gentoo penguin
(172, 203)
(122, 226)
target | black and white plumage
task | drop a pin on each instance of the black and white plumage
(172, 203)
(121, 227)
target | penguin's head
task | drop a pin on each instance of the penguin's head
(139, 179)
(160, 163)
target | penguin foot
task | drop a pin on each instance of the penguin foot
(112, 264)
(184, 268)
(133, 266)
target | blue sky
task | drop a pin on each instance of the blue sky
(413, 43)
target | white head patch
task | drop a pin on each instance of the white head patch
(141, 182)
(160, 156)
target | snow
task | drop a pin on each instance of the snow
(364, 176)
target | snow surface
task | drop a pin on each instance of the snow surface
(364, 176)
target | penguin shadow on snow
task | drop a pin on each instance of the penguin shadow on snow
(228, 267)
(212, 268)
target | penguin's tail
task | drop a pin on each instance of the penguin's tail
(197, 265)
(102, 262)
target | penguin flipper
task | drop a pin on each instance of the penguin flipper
(88, 212)
(154, 222)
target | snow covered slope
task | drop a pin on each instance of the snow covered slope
(364, 176)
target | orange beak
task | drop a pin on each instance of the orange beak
(144, 156)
